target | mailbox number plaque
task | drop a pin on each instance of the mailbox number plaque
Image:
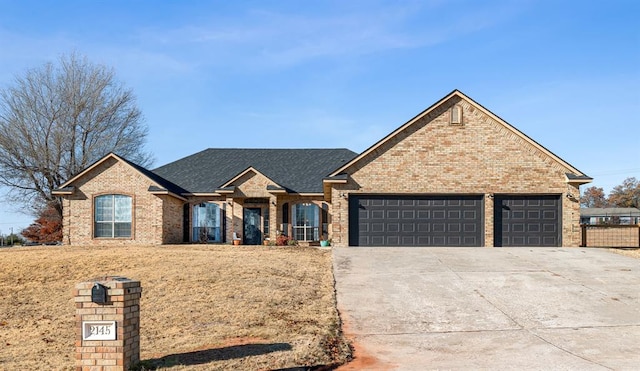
(99, 330)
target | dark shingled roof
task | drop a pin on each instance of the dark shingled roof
(166, 184)
(572, 176)
(297, 170)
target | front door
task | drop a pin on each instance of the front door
(252, 232)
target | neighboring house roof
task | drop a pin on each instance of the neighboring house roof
(608, 211)
(296, 170)
(573, 175)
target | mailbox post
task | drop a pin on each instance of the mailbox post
(107, 324)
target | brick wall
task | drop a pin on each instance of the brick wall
(172, 219)
(116, 177)
(480, 157)
(123, 307)
(250, 185)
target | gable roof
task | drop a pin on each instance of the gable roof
(161, 185)
(296, 170)
(250, 169)
(574, 174)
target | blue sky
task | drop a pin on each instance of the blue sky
(308, 74)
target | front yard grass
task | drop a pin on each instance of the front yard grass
(632, 252)
(203, 307)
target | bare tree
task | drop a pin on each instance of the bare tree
(57, 120)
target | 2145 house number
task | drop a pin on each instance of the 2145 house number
(99, 330)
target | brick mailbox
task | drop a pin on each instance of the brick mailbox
(107, 324)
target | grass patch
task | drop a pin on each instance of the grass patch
(203, 307)
(632, 252)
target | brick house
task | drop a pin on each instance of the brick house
(454, 175)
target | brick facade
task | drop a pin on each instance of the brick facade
(249, 187)
(123, 307)
(480, 155)
(155, 220)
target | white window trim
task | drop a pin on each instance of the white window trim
(113, 221)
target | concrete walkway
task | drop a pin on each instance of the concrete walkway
(498, 309)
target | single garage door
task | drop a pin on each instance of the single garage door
(412, 220)
(527, 220)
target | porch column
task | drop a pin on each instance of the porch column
(228, 220)
(238, 220)
(273, 217)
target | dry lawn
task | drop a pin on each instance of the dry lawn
(634, 253)
(203, 307)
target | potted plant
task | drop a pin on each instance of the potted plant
(236, 239)
(325, 243)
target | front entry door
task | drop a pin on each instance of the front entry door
(252, 232)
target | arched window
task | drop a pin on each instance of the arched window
(206, 222)
(456, 115)
(112, 216)
(306, 222)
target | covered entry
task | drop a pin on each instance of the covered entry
(527, 220)
(416, 220)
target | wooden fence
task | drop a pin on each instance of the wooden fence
(600, 235)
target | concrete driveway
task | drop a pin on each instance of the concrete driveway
(501, 308)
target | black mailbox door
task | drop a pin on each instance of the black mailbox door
(99, 294)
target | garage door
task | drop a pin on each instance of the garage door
(384, 220)
(527, 220)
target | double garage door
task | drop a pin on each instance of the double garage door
(456, 220)
(384, 220)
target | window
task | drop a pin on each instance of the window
(456, 115)
(265, 224)
(325, 221)
(306, 222)
(285, 219)
(206, 222)
(112, 216)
